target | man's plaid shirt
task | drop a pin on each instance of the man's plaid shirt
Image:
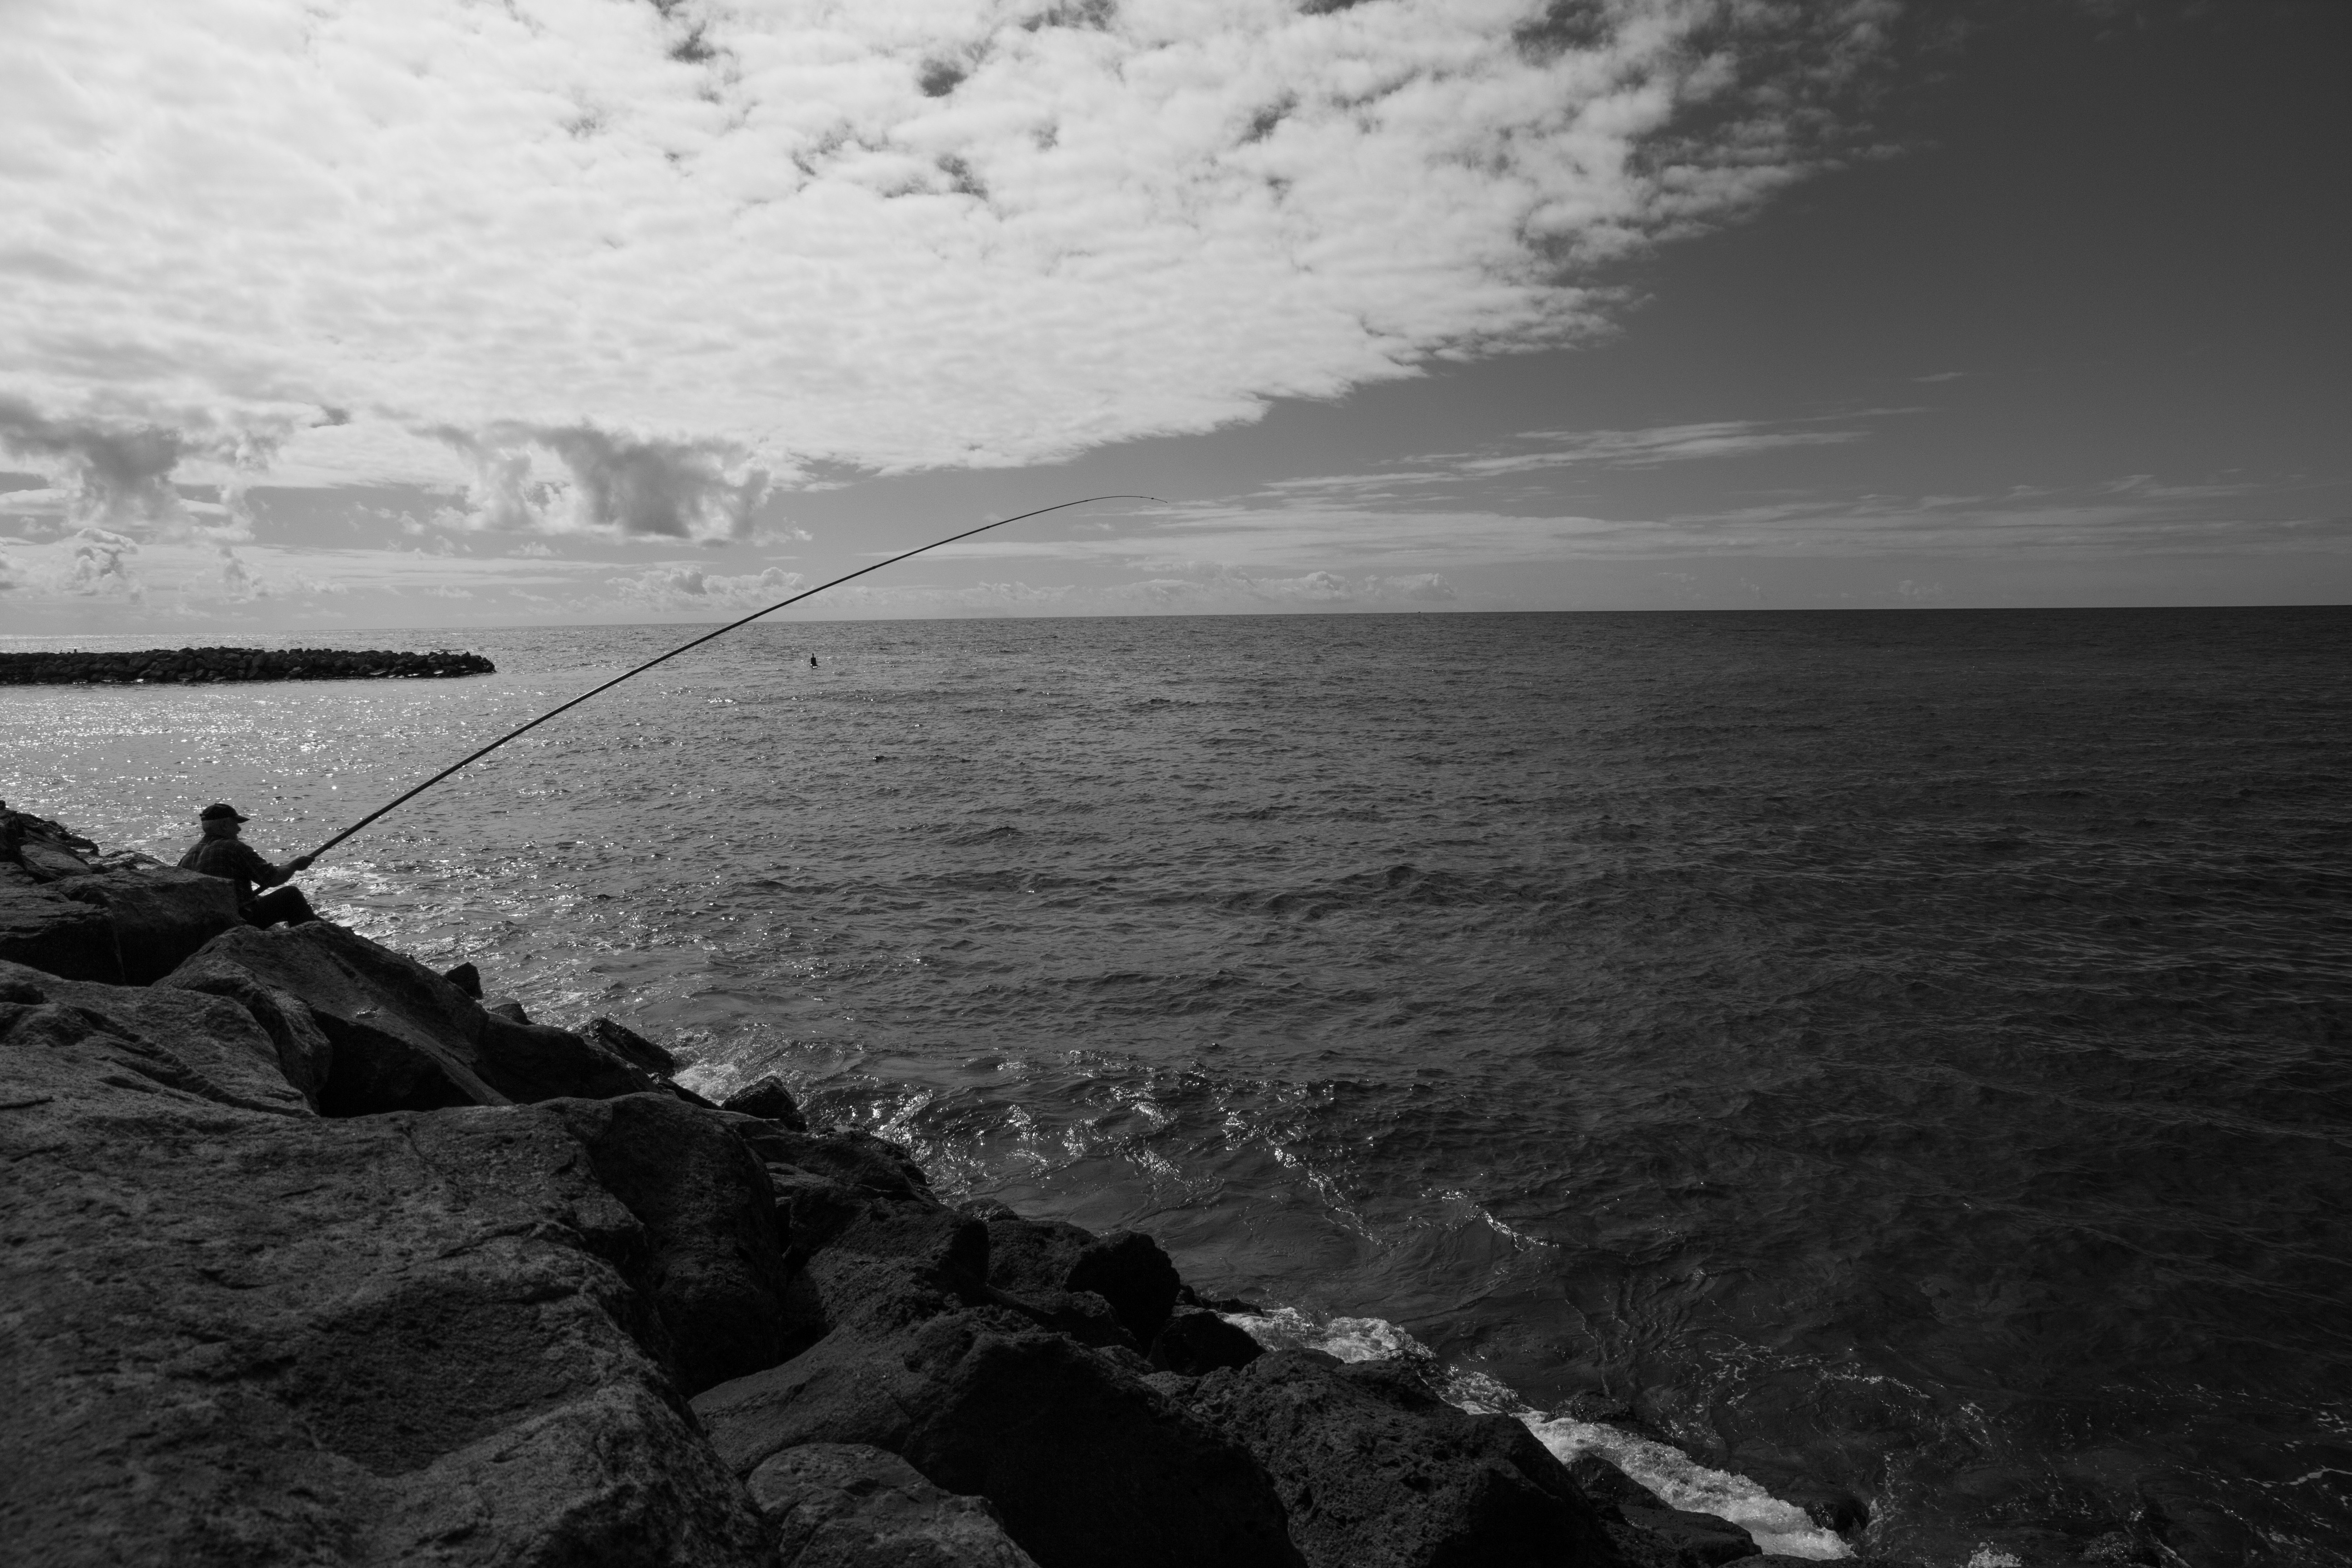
(233, 858)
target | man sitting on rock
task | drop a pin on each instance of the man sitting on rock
(220, 852)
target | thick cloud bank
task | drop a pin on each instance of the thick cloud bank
(639, 256)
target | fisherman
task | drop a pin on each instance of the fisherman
(220, 852)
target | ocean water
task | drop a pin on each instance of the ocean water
(1904, 1050)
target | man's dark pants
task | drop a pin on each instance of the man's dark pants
(280, 906)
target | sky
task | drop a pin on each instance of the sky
(446, 313)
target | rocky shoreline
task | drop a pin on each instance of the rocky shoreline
(314, 1255)
(197, 666)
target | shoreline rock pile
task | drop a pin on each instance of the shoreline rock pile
(197, 666)
(314, 1257)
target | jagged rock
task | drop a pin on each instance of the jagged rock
(44, 929)
(304, 1055)
(1041, 1259)
(238, 1337)
(466, 978)
(73, 1040)
(848, 1505)
(52, 862)
(161, 917)
(1196, 1342)
(858, 1159)
(1087, 1466)
(717, 1267)
(1696, 1540)
(1376, 1473)
(770, 1099)
(405, 1039)
(927, 1232)
(506, 1007)
(632, 1046)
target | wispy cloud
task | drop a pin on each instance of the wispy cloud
(1409, 480)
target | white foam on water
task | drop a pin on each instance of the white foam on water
(1687, 1484)
(1993, 1557)
(1675, 1475)
(1349, 1338)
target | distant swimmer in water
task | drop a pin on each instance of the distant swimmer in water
(811, 661)
(220, 852)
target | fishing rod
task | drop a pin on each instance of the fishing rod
(682, 647)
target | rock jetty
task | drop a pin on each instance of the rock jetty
(313, 1257)
(201, 665)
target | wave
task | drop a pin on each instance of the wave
(1684, 1483)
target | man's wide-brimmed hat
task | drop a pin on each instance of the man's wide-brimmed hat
(217, 810)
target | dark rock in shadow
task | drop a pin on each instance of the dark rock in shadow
(1377, 1473)
(161, 915)
(1196, 1344)
(304, 1055)
(770, 1099)
(1696, 1540)
(1087, 1466)
(717, 1271)
(632, 1048)
(72, 1040)
(848, 1505)
(1042, 1260)
(240, 1336)
(405, 1039)
(466, 978)
(43, 928)
(857, 1160)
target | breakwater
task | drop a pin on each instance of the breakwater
(197, 666)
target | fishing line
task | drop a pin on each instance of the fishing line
(747, 620)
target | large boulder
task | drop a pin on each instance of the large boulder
(1689, 1540)
(1087, 1466)
(768, 1098)
(240, 1335)
(161, 915)
(304, 1055)
(1195, 1343)
(1048, 1261)
(405, 1039)
(716, 1271)
(845, 1505)
(43, 928)
(1376, 1472)
(624, 1042)
(70, 1042)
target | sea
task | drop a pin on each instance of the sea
(1896, 1052)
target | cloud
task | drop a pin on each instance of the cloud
(112, 470)
(1536, 451)
(782, 234)
(1339, 531)
(607, 483)
(687, 587)
(116, 470)
(1650, 447)
(1185, 588)
(97, 565)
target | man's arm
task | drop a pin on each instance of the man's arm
(259, 871)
